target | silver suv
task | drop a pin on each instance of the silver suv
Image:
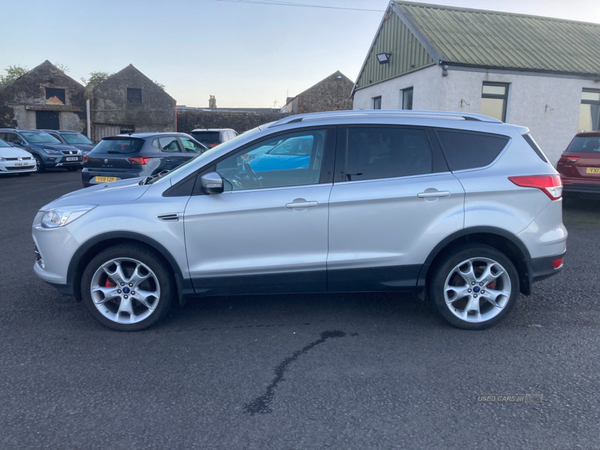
(462, 207)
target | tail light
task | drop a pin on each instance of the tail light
(557, 263)
(551, 185)
(568, 159)
(142, 160)
(85, 158)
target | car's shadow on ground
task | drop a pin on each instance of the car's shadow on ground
(301, 309)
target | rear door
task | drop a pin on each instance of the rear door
(268, 231)
(392, 202)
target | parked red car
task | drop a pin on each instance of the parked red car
(579, 165)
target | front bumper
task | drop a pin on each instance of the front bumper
(54, 249)
(10, 167)
(62, 161)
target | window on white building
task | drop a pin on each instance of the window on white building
(407, 98)
(376, 102)
(589, 115)
(494, 98)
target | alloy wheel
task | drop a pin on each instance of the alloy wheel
(477, 289)
(125, 290)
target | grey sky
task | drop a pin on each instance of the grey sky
(244, 54)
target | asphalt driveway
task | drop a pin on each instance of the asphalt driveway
(359, 371)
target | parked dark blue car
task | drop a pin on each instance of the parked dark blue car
(137, 155)
(73, 138)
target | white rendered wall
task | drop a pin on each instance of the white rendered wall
(553, 126)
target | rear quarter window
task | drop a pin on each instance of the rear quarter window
(470, 150)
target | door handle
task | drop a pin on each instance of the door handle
(433, 194)
(299, 205)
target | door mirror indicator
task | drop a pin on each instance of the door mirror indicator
(212, 183)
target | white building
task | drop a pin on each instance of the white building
(539, 72)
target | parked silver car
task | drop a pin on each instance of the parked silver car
(461, 206)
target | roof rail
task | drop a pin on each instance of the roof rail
(384, 112)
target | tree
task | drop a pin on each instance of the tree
(62, 67)
(95, 79)
(12, 73)
(160, 85)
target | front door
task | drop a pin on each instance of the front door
(268, 231)
(47, 120)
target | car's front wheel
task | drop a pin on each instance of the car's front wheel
(474, 287)
(127, 287)
(39, 164)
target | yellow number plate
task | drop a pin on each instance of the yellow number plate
(593, 170)
(105, 179)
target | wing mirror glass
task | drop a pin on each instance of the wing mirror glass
(212, 183)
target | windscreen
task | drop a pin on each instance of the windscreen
(40, 138)
(125, 146)
(3, 144)
(77, 139)
(585, 144)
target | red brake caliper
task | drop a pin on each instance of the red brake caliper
(109, 282)
(492, 285)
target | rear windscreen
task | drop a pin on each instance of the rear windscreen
(119, 146)
(468, 150)
(585, 144)
(206, 137)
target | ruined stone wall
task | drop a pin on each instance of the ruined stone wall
(20, 99)
(156, 112)
(331, 94)
(239, 121)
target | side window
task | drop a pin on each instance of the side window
(55, 136)
(169, 144)
(155, 143)
(387, 152)
(12, 137)
(467, 150)
(292, 159)
(192, 146)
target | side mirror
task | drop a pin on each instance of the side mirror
(17, 142)
(212, 183)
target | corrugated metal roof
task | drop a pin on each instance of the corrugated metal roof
(506, 40)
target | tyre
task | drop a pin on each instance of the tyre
(39, 164)
(474, 286)
(127, 287)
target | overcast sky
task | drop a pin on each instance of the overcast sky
(244, 54)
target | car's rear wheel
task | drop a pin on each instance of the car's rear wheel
(39, 164)
(474, 286)
(127, 287)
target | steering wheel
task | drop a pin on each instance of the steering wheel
(252, 174)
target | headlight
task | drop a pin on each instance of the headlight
(2, 159)
(49, 150)
(55, 218)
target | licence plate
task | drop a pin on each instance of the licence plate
(21, 164)
(72, 158)
(105, 179)
(592, 170)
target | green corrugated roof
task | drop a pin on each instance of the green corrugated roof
(506, 40)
